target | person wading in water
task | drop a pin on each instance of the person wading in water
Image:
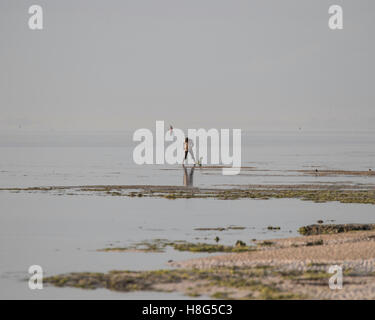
(188, 148)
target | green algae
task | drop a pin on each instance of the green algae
(319, 193)
(204, 247)
(159, 245)
(261, 282)
(273, 228)
(316, 229)
(249, 282)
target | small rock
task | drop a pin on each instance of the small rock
(240, 243)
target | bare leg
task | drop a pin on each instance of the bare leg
(192, 155)
(183, 161)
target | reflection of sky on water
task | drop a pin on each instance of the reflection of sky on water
(84, 160)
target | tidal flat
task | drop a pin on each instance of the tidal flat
(284, 271)
(113, 203)
(159, 245)
(318, 193)
(96, 229)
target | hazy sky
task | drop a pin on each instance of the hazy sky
(251, 64)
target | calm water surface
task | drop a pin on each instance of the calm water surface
(63, 233)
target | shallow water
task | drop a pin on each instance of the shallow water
(30, 159)
(62, 233)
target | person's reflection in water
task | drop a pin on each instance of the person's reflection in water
(188, 177)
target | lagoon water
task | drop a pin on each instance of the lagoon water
(63, 233)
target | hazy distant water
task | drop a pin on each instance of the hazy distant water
(37, 159)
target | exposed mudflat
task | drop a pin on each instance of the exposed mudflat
(316, 193)
(292, 268)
